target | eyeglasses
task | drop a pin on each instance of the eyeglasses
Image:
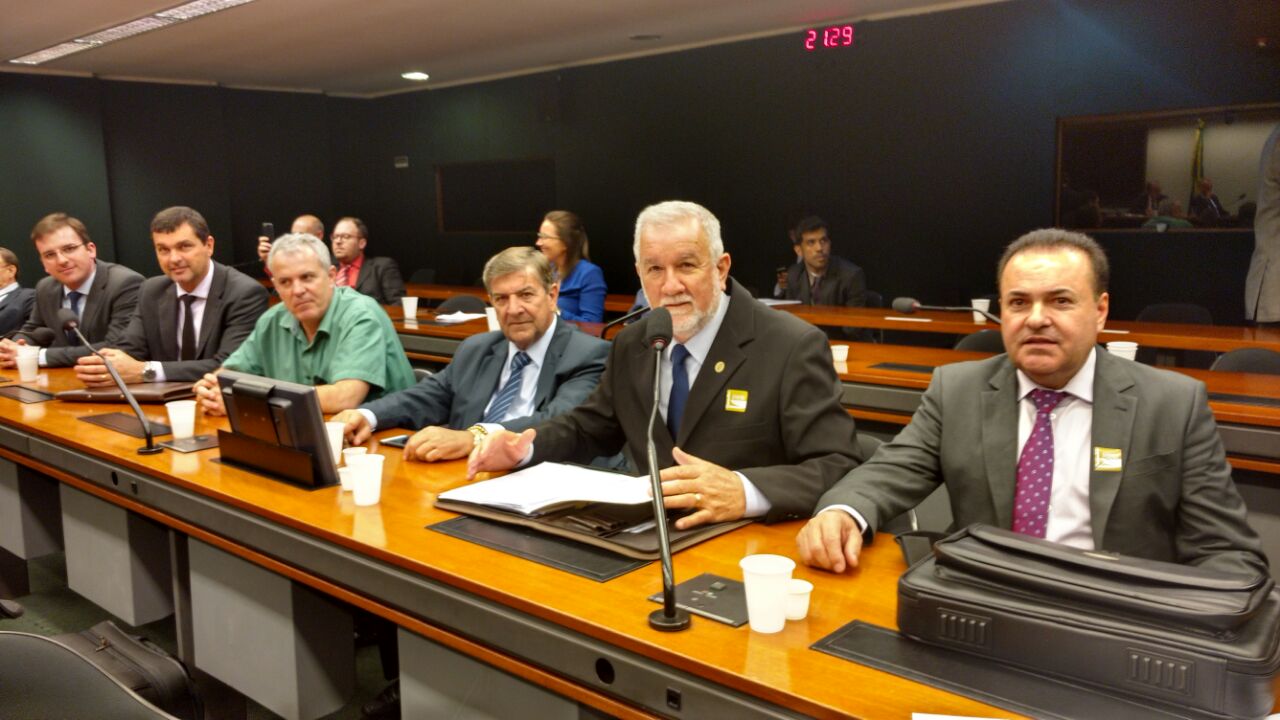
(343, 237)
(64, 251)
(543, 236)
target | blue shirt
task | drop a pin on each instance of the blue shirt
(582, 293)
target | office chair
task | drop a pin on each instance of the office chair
(1186, 313)
(423, 276)
(981, 341)
(461, 303)
(1249, 360)
(874, 299)
(420, 374)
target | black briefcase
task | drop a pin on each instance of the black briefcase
(1176, 634)
(140, 665)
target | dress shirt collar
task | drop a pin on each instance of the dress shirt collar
(354, 264)
(202, 290)
(537, 352)
(84, 286)
(9, 288)
(700, 344)
(1079, 386)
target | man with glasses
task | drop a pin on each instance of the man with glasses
(102, 294)
(191, 318)
(377, 277)
(15, 300)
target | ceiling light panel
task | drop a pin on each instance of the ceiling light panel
(129, 29)
(198, 8)
(52, 53)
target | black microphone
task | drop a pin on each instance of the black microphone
(670, 618)
(71, 323)
(625, 319)
(908, 306)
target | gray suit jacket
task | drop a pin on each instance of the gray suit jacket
(15, 308)
(844, 284)
(380, 279)
(103, 319)
(235, 303)
(456, 396)
(1173, 500)
(1262, 285)
(792, 439)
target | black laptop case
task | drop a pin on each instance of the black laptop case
(1177, 634)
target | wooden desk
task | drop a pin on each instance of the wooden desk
(543, 625)
(616, 303)
(1218, 338)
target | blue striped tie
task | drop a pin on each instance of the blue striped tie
(679, 389)
(509, 392)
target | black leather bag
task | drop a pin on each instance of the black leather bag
(1175, 634)
(140, 665)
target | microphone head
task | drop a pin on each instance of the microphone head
(658, 328)
(67, 320)
(41, 336)
(905, 305)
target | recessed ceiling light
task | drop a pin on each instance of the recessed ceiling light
(416, 76)
(155, 21)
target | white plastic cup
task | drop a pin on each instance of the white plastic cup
(352, 452)
(347, 477)
(334, 431)
(983, 304)
(28, 363)
(840, 353)
(766, 578)
(366, 486)
(491, 316)
(1126, 349)
(182, 418)
(410, 307)
(798, 592)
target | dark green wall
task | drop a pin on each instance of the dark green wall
(927, 147)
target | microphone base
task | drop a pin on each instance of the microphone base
(658, 620)
(144, 450)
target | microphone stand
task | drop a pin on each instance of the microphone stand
(670, 618)
(151, 448)
(625, 318)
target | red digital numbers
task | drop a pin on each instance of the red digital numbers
(835, 36)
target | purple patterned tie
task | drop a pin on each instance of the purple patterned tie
(1035, 469)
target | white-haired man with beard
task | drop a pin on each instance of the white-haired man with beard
(753, 425)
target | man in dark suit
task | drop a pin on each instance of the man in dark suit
(189, 319)
(821, 278)
(102, 294)
(559, 369)
(377, 277)
(1057, 439)
(15, 300)
(1206, 208)
(754, 426)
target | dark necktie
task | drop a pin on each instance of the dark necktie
(813, 289)
(188, 351)
(509, 392)
(73, 298)
(679, 389)
(1035, 469)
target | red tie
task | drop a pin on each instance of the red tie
(343, 275)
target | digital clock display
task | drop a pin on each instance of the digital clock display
(836, 36)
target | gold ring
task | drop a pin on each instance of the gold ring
(697, 498)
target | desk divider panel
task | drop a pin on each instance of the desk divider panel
(438, 683)
(30, 515)
(287, 647)
(116, 559)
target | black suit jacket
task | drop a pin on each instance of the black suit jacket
(844, 284)
(456, 396)
(234, 304)
(103, 319)
(15, 308)
(792, 439)
(380, 279)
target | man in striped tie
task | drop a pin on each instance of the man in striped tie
(536, 367)
(1057, 439)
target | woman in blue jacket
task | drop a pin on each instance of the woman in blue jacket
(563, 239)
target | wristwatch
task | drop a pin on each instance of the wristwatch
(148, 372)
(478, 434)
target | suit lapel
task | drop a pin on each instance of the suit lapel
(167, 311)
(638, 383)
(93, 306)
(736, 330)
(1000, 440)
(547, 375)
(487, 374)
(212, 307)
(1113, 412)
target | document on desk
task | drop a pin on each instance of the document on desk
(458, 317)
(547, 486)
(774, 302)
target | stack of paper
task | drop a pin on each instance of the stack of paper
(547, 486)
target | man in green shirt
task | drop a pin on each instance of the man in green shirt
(331, 337)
